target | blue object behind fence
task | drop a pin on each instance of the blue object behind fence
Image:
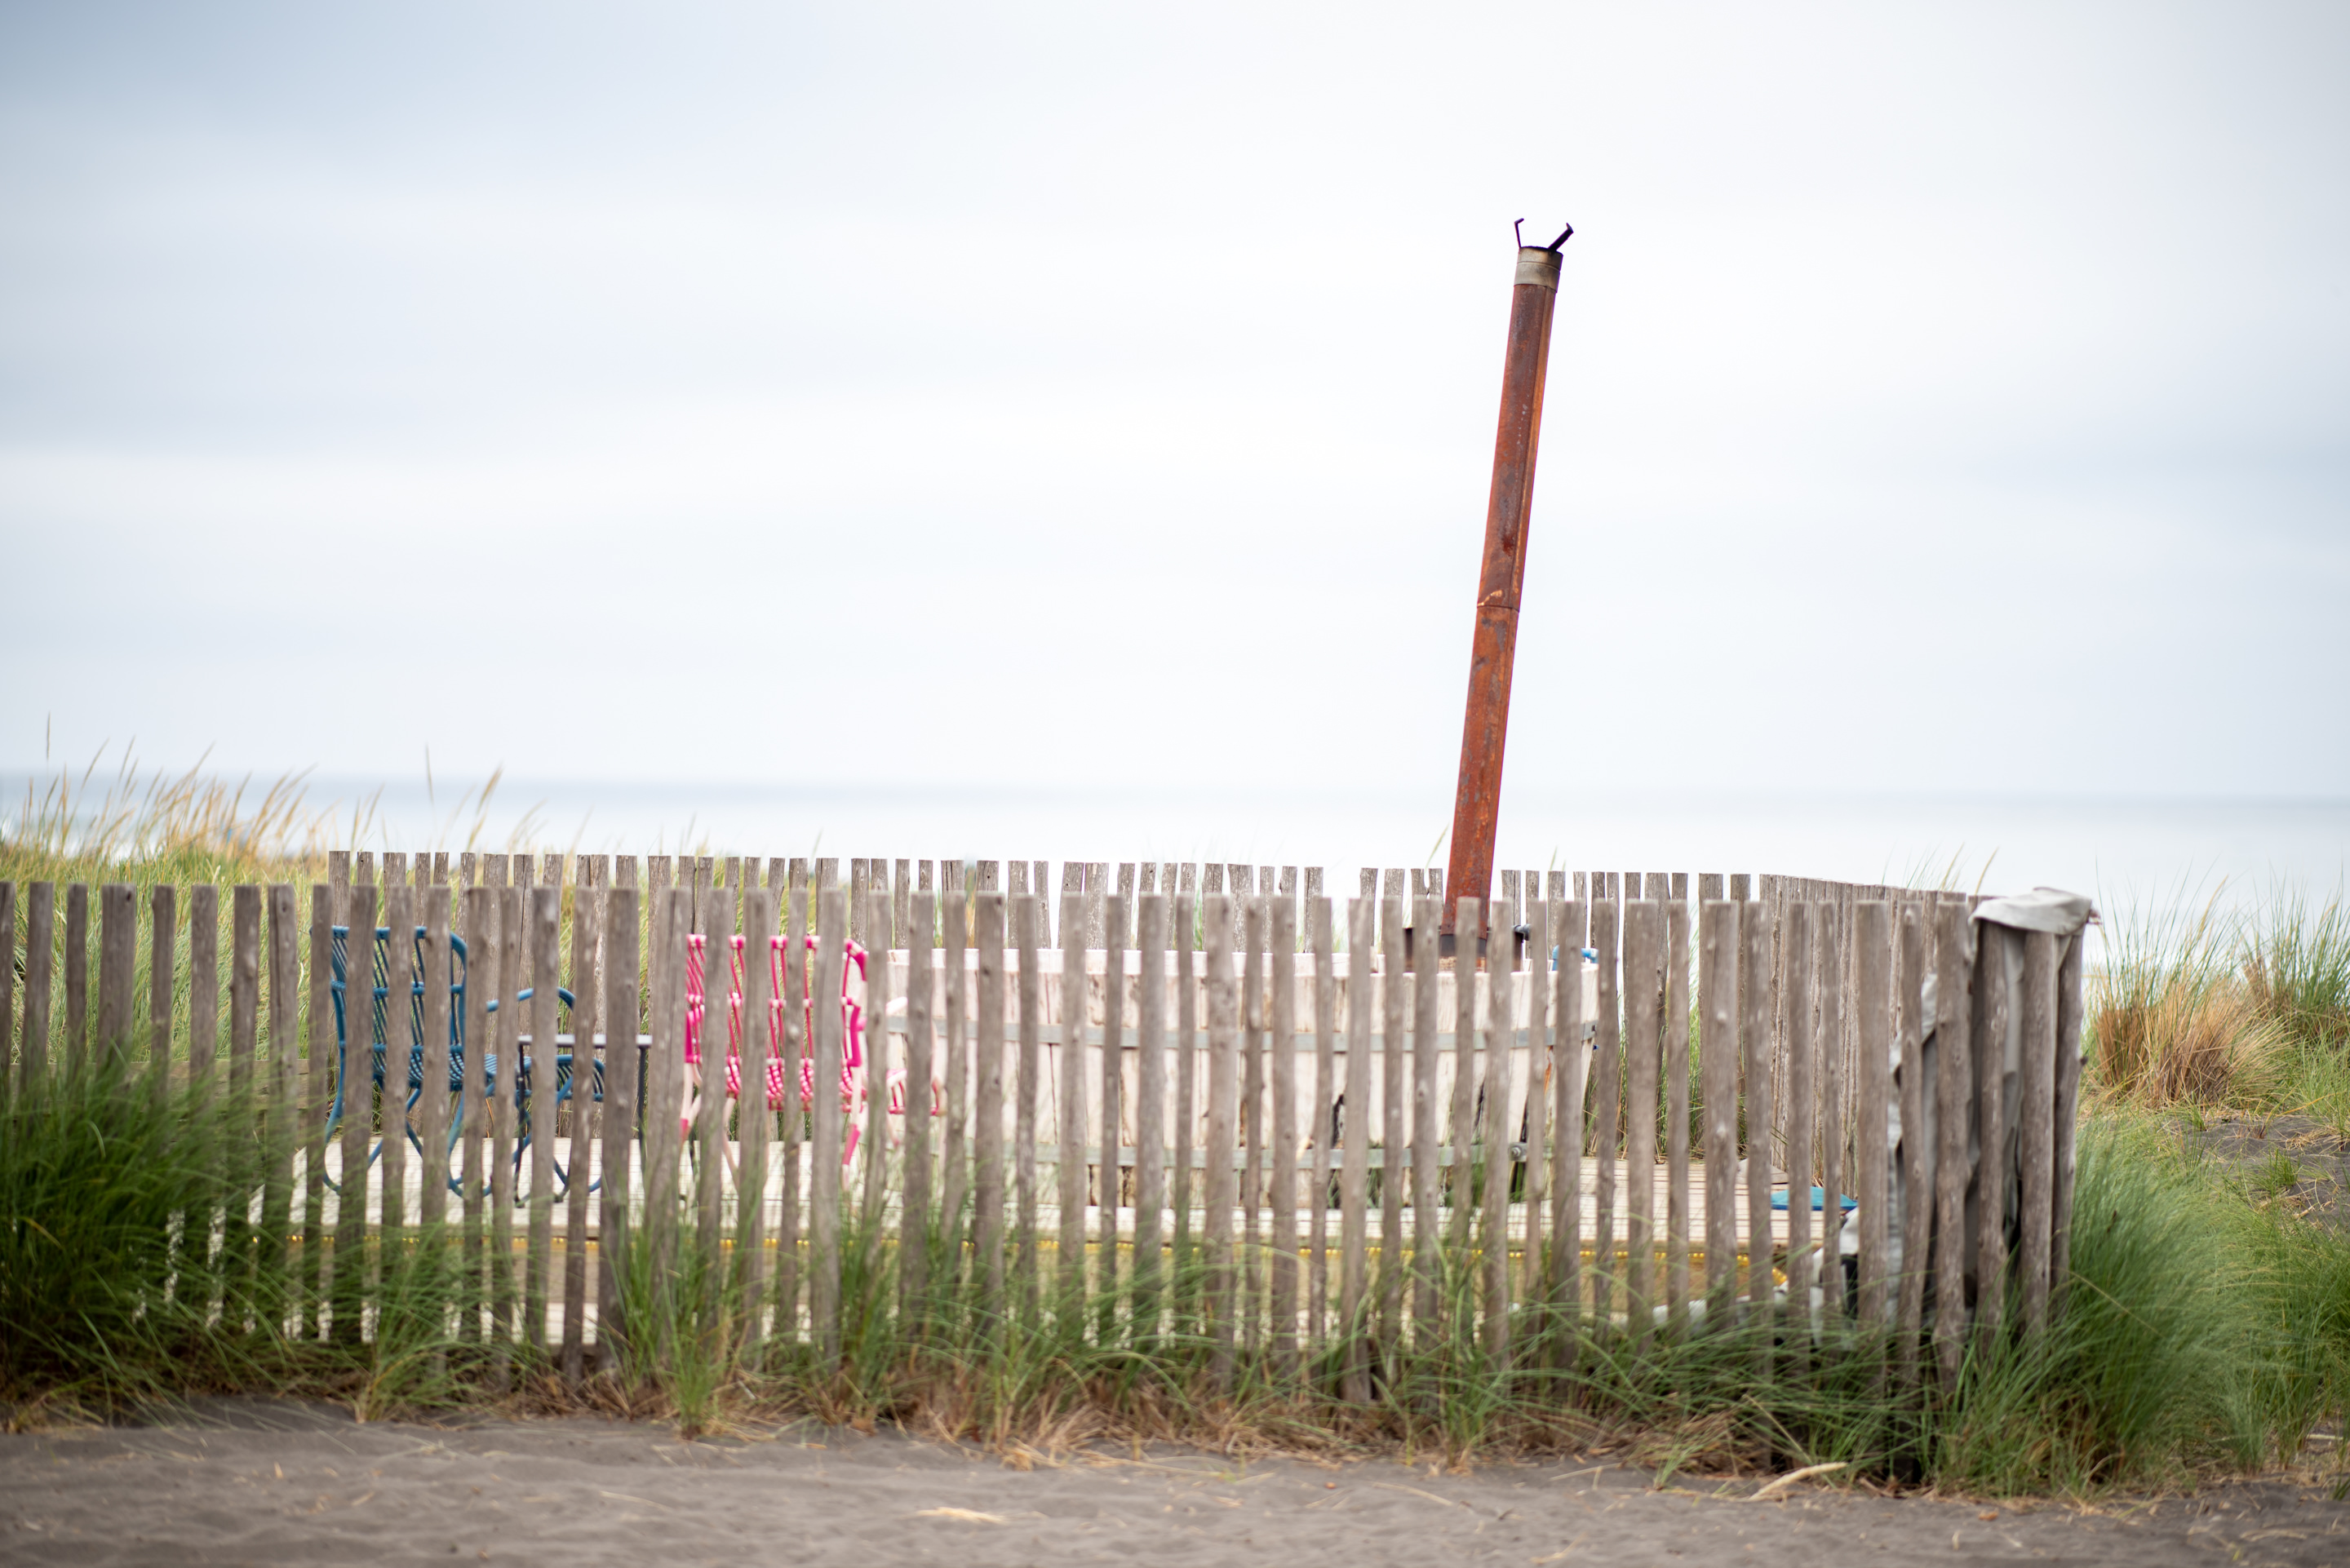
(380, 1006)
(1846, 1203)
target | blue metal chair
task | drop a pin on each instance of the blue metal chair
(377, 1032)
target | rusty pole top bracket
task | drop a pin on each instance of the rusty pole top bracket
(1564, 234)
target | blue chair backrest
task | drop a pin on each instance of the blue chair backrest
(379, 969)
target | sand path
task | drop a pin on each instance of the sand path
(257, 1482)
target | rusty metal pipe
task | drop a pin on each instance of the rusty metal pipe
(1477, 802)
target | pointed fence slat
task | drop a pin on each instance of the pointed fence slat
(917, 928)
(1354, 1182)
(1427, 1115)
(1072, 1095)
(1988, 1089)
(244, 989)
(1028, 927)
(545, 935)
(1501, 1032)
(1461, 1123)
(1394, 1107)
(1798, 1029)
(41, 956)
(1953, 1084)
(357, 1091)
(117, 964)
(318, 1105)
(1280, 1139)
(473, 1105)
(1836, 1111)
(824, 1181)
(2037, 1124)
(8, 1070)
(162, 959)
(244, 1043)
(1644, 923)
(1563, 1281)
(1872, 1009)
(392, 1095)
(874, 1152)
(1718, 1072)
(1535, 1096)
(621, 1058)
(1677, 1106)
(432, 1101)
(1151, 1108)
(954, 1146)
(580, 1174)
(1222, 1144)
(2068, 1105)
(987, 1128)
(1109, 1185)
(1186, 1063)
(702, 1115)
(1254, 912)
(520, 944)
(1320, 1111)
(1754, 1023)
(1607, 1089)
(77, 1041)
(796, 1050)
(1917, 1213)
(280, 1128)
(714, 914)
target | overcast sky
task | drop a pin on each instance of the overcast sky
(1942, 398)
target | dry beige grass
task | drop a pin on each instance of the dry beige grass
(2247, 1012)
(2187, 1040)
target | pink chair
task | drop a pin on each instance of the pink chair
(852, 1020)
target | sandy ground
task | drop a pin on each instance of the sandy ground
(243, 1481)
(2300, 1162)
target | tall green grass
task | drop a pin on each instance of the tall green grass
(126, 1267)
(2199, 1333)
(2243, 1009)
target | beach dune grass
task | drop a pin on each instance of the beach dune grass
(2234, 1009)
(2199, 1334)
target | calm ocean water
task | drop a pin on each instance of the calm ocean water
(2139, 857)
(2133, 855)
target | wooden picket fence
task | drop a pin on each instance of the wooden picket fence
(1220, 1075)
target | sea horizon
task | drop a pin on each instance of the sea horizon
(2143, 852)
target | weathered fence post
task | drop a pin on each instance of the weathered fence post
(1718, 1069)
(1150, 1112)
(621, 1066)
(1873, 1015)
(1354, 1182)
(2038, 1123)
(824, 1178)
(1070, 1090)
(1953, 1094)
(987, 1131)
(1223, 1114)
(916, 929)
(579, 1179)
(118, 944)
